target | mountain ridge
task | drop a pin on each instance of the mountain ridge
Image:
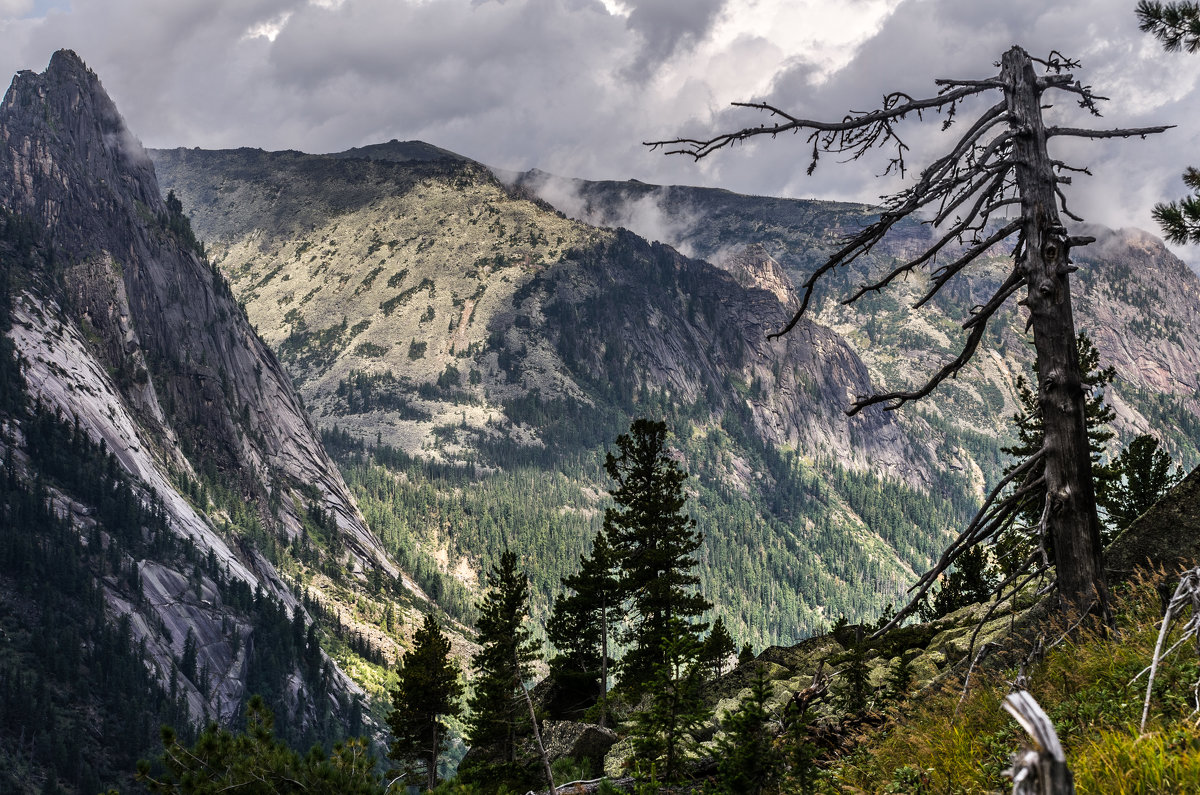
(125, 330)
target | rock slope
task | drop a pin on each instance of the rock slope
(129, 330)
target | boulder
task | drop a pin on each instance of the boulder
(580, 741)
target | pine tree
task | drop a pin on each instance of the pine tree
(1177, 26)
(748, 760)
(507, 650)
(899, 680)
(255, 761)
(1142, 475)
(746, 654)
(654, 541)
(582, 623)
(970, 581)
(856, 677)
(428, 691)
(718, 646)
(663, 735)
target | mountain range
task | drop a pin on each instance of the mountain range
(272, 407)
(510, 328)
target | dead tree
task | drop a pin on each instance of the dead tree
(1041, 769)
(1000, 163)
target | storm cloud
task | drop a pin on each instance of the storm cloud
(575, 86)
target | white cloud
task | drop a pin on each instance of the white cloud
(269, 29)
(575, 86)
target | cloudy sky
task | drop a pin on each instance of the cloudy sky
(574, 86)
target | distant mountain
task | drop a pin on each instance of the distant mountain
(426, 307)
(203, 517)
(399, 151)
(1138, 302)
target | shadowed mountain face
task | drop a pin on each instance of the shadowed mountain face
(248, 538)
(1138, 302)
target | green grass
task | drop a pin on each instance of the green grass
(1084, 684)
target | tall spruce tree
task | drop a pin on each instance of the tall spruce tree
(582, 623)
(499, 716)
(428, 691)
(655, 542)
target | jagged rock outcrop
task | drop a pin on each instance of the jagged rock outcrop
(130, 331)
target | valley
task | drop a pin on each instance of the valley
(264, 413)
(465, 338)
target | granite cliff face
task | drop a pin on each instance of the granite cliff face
(127, 328)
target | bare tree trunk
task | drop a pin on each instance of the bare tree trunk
(603, 660)
(537, 735)
(1070, 518)
(431, 772)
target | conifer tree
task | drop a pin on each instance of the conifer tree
(746, 654)
(507, 650)
(1177, 26)
(970, 581)
(654, 541)
(748, 760)
(718, 646)
(255, 761)
(856, 677)
(663, 735)
(1142, 474)
(428, 692)
(582, 623)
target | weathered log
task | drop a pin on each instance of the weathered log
(1042, 769)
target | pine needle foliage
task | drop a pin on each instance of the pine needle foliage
(498, 715)
(664, 735)
(655, 542)
(582, 623)
(1142, 475)
(1176, 25)
(256, 762)
(749, 761)
(429, 691)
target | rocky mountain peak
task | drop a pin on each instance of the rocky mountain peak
(131, 331)
(753, 266)
(69, 153)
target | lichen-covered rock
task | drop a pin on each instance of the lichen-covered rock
(581, 741)
(618, 759)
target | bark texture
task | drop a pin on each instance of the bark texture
(1070, 517)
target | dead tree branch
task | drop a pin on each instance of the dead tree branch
(1000, 161)
(1042, 769)
(1187, 594)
